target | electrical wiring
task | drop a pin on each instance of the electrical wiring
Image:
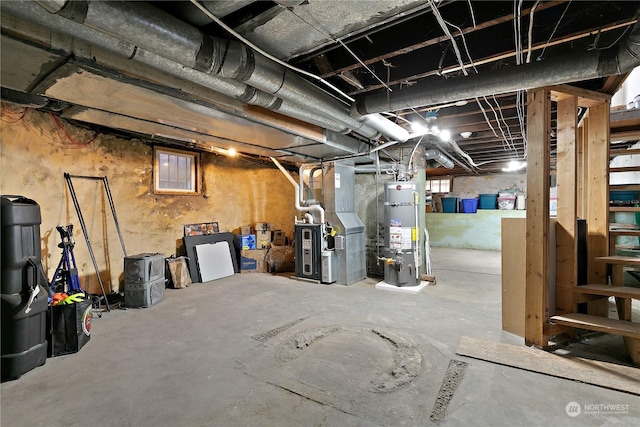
(60, 127)
(473, 17)
(317, 27)
(268, 55)
(509, 143)
(444, 27)
(464, 43)
(9, 112)
(530, 33)
(505, 142)
(539, 58)
(506, 125)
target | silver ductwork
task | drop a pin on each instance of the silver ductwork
(384, 168)
(229, 87)
(438, 156)
(568, 68)
(153, 30)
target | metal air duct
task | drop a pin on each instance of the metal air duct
(229, 87)
(438, 156)
(151, 29)
(568, 68)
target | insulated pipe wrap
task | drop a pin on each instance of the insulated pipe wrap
(568, 68)
(149, 28)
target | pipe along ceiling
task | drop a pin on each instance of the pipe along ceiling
(143, 33)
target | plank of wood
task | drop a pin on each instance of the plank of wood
(624, 209)
(599, 324)
(618, 260)
(566, 239)
(597, 198)
(601, 374)
(621, 152)
(608, 290)
(513, 275)
(624, 232)
(625, 169)
(537, 242)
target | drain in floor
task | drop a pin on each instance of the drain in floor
(452, 379)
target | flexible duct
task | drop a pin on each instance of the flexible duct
(568, 68)
(156, 31)
(438, 156)
(229, 87)
(293, 182)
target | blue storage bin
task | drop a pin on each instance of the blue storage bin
(469, 205)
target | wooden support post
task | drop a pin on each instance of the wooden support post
(537, 245)
(566, 238)
(597, 198)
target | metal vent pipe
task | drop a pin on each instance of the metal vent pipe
(438, 156)
(229, 87)
(569, 68)
(149, 28)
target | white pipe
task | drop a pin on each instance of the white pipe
(293, 182)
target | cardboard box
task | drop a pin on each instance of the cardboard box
(245, 242)
(245, 229)
(262, 226)
(279, 239)
(263, 239)
(253, 261)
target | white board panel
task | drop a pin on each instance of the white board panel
(214, 261)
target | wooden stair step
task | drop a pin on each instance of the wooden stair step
(624, 169)
(623, 187)
(608, 290)
(599, 324)
(619, 260)
(624, 232)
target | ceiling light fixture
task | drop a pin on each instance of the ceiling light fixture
(466, 134)
(515, 165)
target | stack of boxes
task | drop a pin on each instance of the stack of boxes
(254, 243)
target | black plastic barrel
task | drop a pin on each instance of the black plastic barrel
(23, 326)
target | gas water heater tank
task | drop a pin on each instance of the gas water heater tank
(400, 233)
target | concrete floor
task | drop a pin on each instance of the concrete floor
(196, 359)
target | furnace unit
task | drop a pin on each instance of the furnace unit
(308, 242)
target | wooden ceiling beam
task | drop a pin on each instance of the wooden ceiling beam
(500, 56)
(434, 41)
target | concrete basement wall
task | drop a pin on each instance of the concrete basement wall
(470, 186)
(34, 154)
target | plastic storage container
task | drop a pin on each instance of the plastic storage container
(469, 205)
(23, 319)
(623, 195)
(449, 204)
(506, 203)
(488, 201)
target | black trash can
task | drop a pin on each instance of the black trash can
(23, 289)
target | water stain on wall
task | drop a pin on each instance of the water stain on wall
(36, 153)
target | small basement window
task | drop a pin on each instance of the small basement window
(439, 185)
(175, 171)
